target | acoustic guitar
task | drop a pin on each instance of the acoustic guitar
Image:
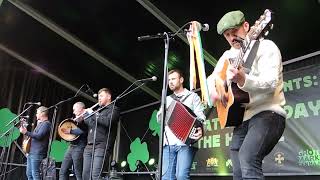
(231, 106)
(26, 143)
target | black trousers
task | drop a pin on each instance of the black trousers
(74, 156)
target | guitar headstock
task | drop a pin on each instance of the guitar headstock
(262, 26)
(23, 122)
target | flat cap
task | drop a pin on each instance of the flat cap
(230, 20)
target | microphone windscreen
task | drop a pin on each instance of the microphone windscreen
(205, 27)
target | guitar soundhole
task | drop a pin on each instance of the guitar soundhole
(225, 84)
(239, 95)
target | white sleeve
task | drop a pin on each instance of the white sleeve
(212, 77)
(269, 69)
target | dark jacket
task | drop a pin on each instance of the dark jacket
(40, 138)
(106, 117)
(82, 131)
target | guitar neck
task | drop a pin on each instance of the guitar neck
(245, 44)
(257, 31)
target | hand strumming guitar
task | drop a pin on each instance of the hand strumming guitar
(236, 75)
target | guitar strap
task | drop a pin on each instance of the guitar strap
(252, 54)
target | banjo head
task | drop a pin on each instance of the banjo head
(67, 124)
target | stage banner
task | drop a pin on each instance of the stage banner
(298, 150)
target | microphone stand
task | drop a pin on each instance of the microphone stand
(166, 36)
(53, 122)
(163, 104)
(94, 144)
(11, 121)
(3, 176)
(123, 94)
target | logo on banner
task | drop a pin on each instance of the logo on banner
(309, 157)
(194, 165)
(212, 162)
(229, 163)
(279, 158)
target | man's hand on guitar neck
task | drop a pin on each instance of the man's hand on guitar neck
(236, 75)
(23, 125)
(23, 130)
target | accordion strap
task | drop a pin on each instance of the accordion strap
(181, 98)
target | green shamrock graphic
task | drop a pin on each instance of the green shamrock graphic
(153, 124)
(5, 117)
(58, 149)
(138, 152)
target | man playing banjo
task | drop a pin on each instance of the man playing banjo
(74, 155)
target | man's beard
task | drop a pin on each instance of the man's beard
(175, 87)
(172, 88)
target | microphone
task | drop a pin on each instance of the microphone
(34, 103)
(153, 78)
(90, 91)
(25, 117)
(203, 27)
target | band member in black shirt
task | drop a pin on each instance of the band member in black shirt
(105, 133)
(74, 155)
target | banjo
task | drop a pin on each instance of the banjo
(70, 124)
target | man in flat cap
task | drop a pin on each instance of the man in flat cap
(262, 80)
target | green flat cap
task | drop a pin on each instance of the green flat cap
(230, 20)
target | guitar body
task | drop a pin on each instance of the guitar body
(231, 107)
(26, 145)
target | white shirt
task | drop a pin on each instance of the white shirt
(264, 83)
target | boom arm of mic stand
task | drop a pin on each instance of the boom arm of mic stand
(5, 162)
(164, 35)
(122, 94)
(18, 116)
(53, 122)
(119, 97)
(13, 121)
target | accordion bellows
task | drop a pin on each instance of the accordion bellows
(182, 121)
